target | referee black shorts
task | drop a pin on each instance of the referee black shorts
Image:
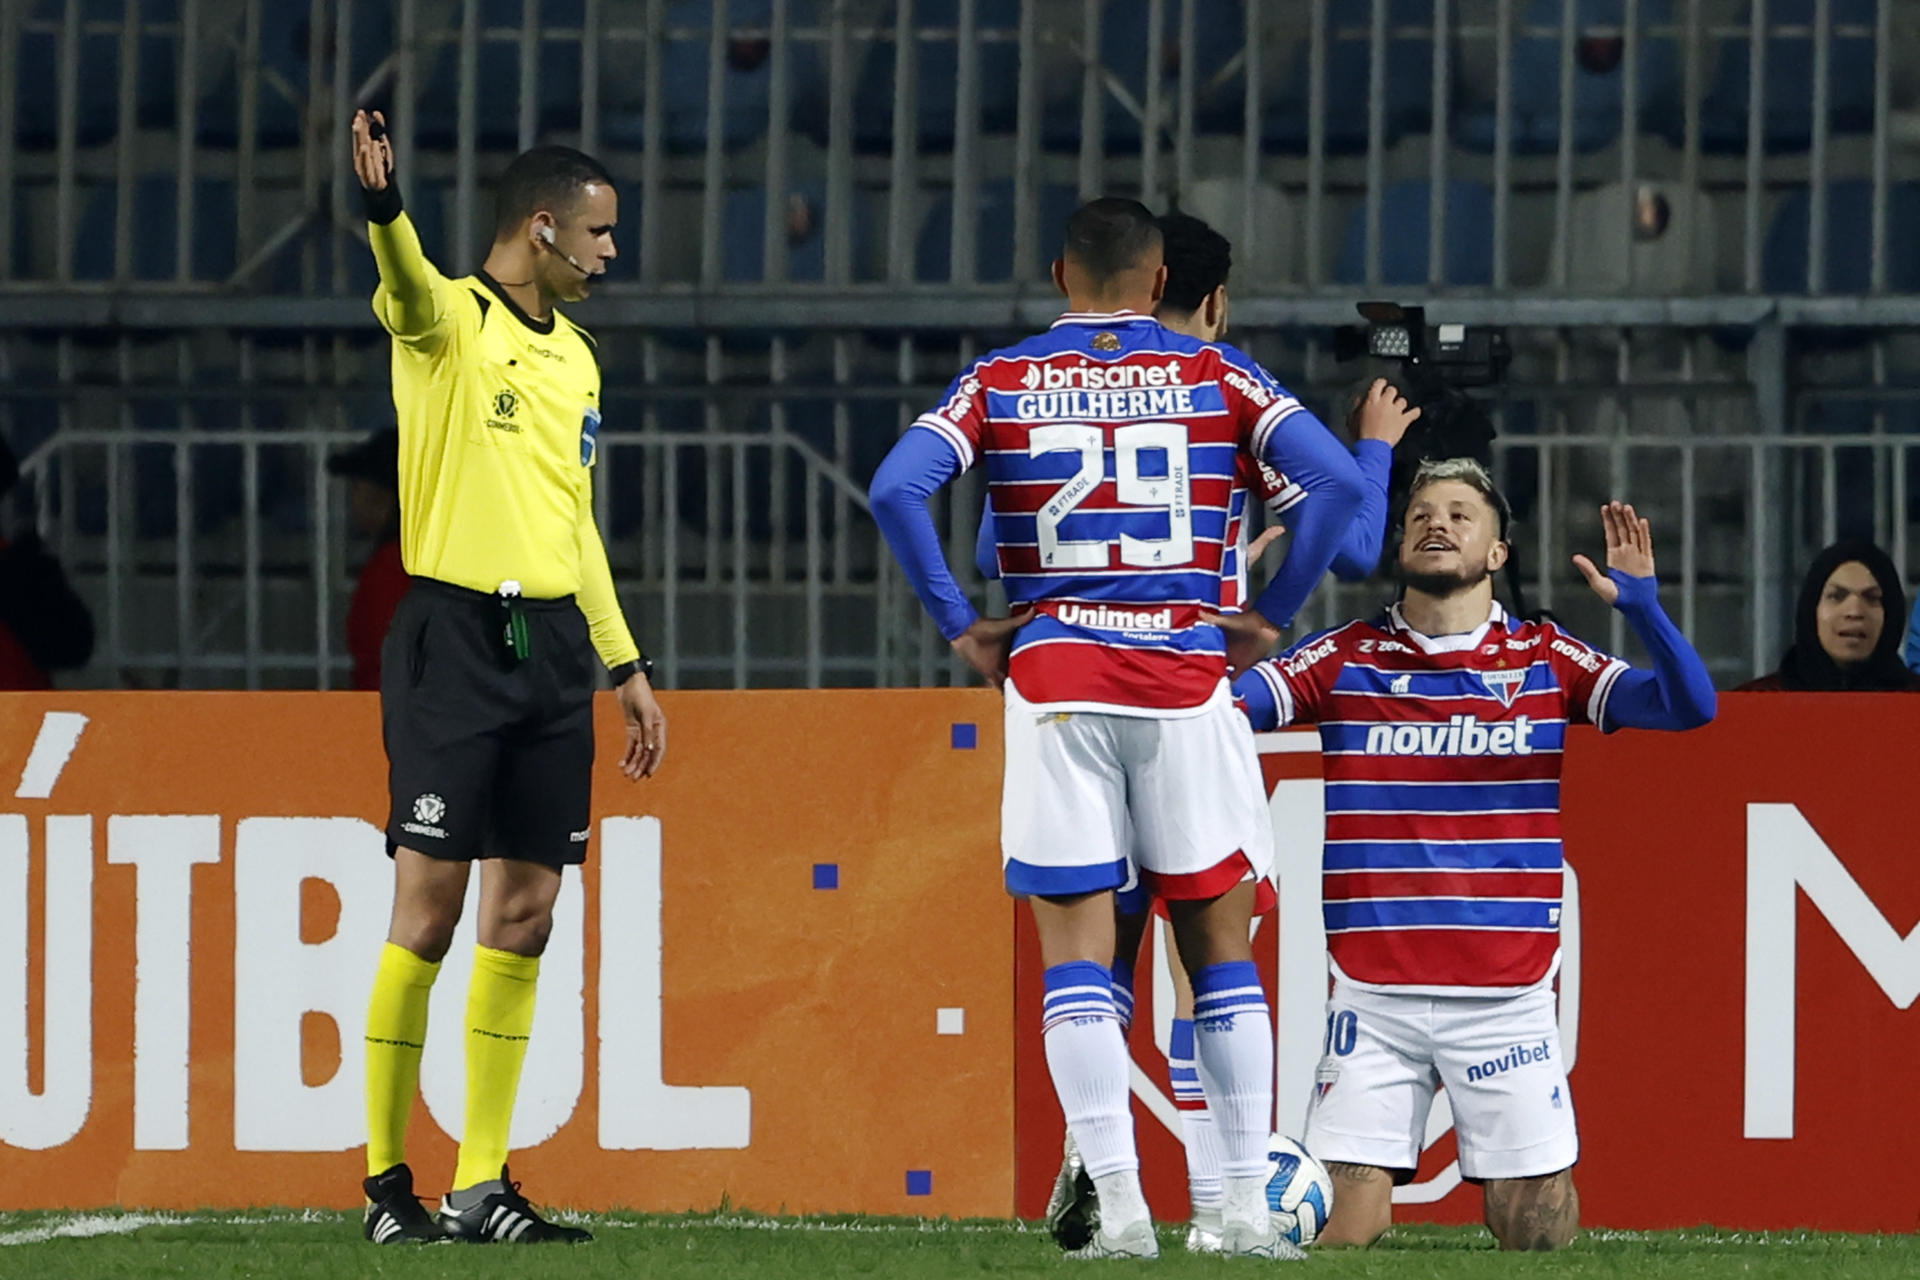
(487, 757)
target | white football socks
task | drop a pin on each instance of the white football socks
(1196, 1122)
(1234, 1041)
(1087, 1057)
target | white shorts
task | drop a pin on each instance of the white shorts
(1499, 1058)
(1087, 793)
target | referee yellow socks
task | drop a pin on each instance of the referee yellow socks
(499, 1021)
(396, 1030)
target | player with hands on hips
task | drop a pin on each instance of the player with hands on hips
(1443, 724)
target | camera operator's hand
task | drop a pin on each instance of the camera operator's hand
(1384, 414)
(1250, 637)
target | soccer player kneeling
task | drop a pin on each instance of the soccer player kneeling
(1443, 724)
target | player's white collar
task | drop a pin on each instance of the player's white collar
(1461, 642)
(1099, 318)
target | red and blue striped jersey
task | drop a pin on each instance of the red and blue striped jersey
(1112, 448)
(1442, 871)
(1260, 482)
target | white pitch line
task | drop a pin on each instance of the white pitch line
(88, 1225)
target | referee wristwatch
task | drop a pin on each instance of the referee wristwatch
(642, 666)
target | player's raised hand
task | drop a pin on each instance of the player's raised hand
(1385, 414)
(1629, 549)
(372, 150)
(988, 643)
(646, 729)
(1250, 637)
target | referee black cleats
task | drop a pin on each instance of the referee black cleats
(394, 1214)
(503, 1216)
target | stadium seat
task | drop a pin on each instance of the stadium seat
(154, 223)
(1349, 72)
(1599, 79)
(937, 76)
(1787, 113)
(34, 81)
(746, 88)
(1219, 34)
(993, 252)
(497, 114)
(1673, 252)
(1849, 240)
(285, 56)
(1405, 214)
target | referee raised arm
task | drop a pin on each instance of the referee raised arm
(487, 674)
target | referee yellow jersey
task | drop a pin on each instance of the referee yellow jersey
(499, 416)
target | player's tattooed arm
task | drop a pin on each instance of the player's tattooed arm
(1534, 1214)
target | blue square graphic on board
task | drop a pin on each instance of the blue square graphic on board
(919, 1182)
(966, 737)
(826, 875)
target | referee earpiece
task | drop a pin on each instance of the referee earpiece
(545, 234)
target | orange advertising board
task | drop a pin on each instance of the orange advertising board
(784, 976)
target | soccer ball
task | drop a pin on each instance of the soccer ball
(1299, 1190)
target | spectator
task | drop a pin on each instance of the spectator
(1841, 637)
(372, 470)
(1913, 639)
(44, 624)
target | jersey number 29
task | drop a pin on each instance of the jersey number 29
(1171, 492)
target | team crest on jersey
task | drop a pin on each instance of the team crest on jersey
(1504, 684)
(1106, 340)
(1400, 685)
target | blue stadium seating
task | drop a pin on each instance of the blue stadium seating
(937, 78)
(747, 86)
(497, 113)
(994, 214)
(1849, 239)
(1787, 113)
(1219, 32)
(1405, 215)
(1409, 82)
(154, 224)
(35, 78)
(1598, 82)
(285, 49)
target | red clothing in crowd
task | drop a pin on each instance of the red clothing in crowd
(18, 670)
(383, 581)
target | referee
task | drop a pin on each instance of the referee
(487, 675)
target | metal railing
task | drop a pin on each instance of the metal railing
(1569, 146)
(192, 503)
(840, 202)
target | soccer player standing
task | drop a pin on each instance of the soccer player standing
(1196, 303)
(487, 681)
(1443, 724)
(1111, 446)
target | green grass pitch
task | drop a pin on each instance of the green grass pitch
(294, 1245)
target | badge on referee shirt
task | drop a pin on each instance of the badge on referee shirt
(589, 436)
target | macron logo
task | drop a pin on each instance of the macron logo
(1459, 736)
(1100, 377)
